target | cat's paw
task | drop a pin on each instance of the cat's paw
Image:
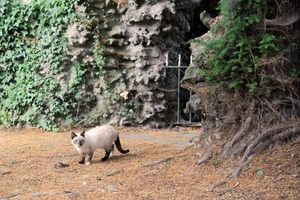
(88, 163)
(104, 159)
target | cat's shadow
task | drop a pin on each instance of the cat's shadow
(115, 158)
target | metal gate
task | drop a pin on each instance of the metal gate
(178, 67)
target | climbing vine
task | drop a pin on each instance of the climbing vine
(31, 56)
(101, 72)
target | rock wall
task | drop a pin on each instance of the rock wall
(202, 103)
(135, 36)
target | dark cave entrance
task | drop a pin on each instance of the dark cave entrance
(197, 29)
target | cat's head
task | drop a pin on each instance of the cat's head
(78, 139)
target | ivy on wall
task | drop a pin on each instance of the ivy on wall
(32, 52)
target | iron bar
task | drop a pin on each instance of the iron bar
(178, 67)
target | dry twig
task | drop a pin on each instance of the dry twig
(160, 161)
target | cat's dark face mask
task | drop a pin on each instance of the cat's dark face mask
(78, 140)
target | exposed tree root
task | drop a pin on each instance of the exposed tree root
(271, 135)
(227, 190)
(214, 186)
(263, 140)
(206, 156)
(252, 137)
(243, 130)
(239, 169)
(288, 133)
(239, 147)
(297, 141)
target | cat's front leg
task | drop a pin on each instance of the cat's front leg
(82, 158)
(89, 158)
(112, 151)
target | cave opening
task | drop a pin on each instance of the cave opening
(197, 29)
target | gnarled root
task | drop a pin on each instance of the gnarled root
(206, 156)
(239, 169)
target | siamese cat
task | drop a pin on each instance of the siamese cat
(99, 137)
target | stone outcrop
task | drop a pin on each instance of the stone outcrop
(135, 36)
(202, 103)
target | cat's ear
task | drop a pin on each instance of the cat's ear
(73, 135)
(83, 133)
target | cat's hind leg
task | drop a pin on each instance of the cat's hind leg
(82, 158)
(89, 158)
(108, 153)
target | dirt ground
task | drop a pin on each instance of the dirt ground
(29, 169)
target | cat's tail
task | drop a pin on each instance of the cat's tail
(119, 147)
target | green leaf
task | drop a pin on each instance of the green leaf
(249, 69)
(215, 163)
(235, 83)
(260, 172)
